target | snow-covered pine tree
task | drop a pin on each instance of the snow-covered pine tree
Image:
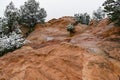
(10, 42)
(10, 34)
(31, 14)
(12, 16)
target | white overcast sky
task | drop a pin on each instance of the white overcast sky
(59, 8)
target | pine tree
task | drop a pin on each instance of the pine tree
(82, 18)
(10, 35)
(112, 8)
(31, 14)
(12, 16)
(98, 14)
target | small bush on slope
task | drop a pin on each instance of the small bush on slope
(71, 29)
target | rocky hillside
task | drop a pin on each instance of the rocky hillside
(93, 53)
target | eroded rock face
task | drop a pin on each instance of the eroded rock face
(57, 62)
(52, 55)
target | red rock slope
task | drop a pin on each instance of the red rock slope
(53, 55)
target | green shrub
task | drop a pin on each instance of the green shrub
(71, 29)
(10, 42)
